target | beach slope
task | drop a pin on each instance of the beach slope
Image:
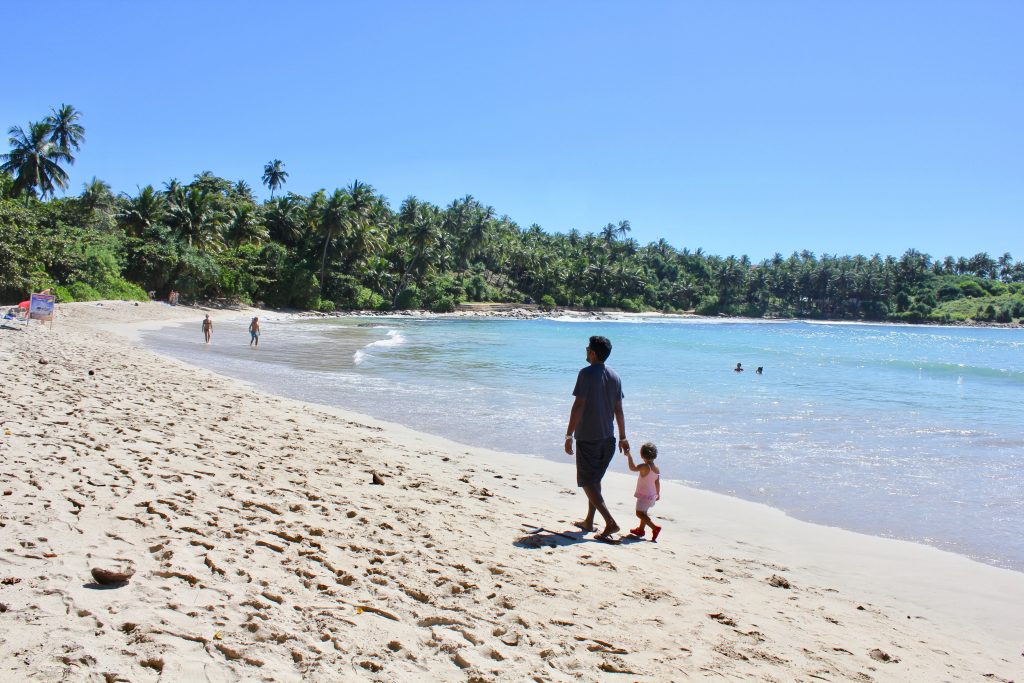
(260, 548)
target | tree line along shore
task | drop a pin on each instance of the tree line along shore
(350, 249)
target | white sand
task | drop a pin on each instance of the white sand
(261, 550)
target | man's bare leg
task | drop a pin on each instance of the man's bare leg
(588, 522)
(596, 503)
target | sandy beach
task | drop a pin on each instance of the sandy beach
(260, 548)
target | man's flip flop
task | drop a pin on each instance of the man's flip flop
(607, 538)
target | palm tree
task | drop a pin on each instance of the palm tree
(193, 214)
(332, 222)
(475, 234)
(443, 248)
(242, 192)
(209, 182)
(274, 175)
(314, 213)
(597, 270)
(663, 247)
(683, 292)
(731, 276)
(65, 131)
(913, 266)
(1005, 266)
(33, 160)
(379, 276)
(982, 265)
(96, 194)
(245, 225)
(284, 219)
(409, 212)
(361, 205)
(373, 240)
(361, 202)
(417, 227)
(622, 229)
(608, 233)
(423, 233)
(140, 213)
(369, 235)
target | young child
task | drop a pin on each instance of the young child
(254, 332)
(648, 488)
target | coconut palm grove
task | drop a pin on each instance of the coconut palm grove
(349, 249)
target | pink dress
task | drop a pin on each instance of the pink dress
(646, 490)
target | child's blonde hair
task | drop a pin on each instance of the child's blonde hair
(648, 451)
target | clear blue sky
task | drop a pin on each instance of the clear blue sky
(738, 127)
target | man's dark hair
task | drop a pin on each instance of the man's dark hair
(601, 347)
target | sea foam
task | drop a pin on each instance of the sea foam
(394, 338)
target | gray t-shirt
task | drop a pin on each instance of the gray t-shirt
(602, 389)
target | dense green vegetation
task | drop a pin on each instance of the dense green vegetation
(350, 249)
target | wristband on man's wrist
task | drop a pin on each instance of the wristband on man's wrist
(568, 436)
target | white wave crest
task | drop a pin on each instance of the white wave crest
(394, 338)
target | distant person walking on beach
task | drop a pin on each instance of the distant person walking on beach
(207, 327)
(598, 401)
(648, 488)
(254, 332)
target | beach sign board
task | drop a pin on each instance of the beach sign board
(40, 307)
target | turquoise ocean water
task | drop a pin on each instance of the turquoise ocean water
(907, 432)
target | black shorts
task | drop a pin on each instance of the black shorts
(592, 460)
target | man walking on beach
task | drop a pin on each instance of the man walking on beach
(207, 327)
(598, 400)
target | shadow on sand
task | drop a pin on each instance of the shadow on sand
(104, 586)
(539, 537)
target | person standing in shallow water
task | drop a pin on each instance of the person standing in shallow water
(207, 327)
(254, 332)
(597, 404)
